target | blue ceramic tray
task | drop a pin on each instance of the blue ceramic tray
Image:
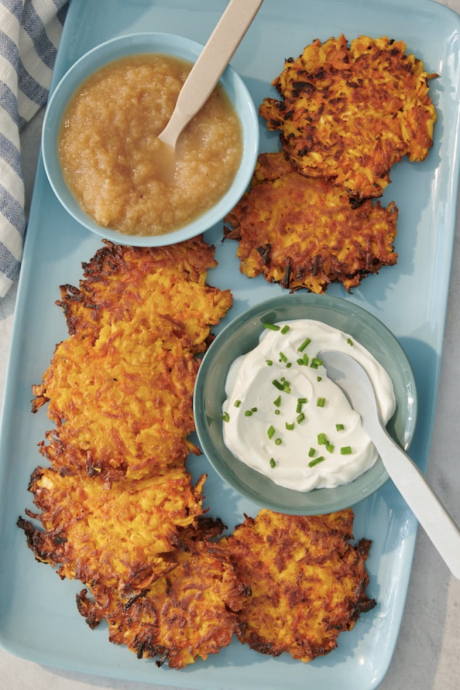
(38, 616)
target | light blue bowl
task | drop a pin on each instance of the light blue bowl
(115, 49)
(241, 336)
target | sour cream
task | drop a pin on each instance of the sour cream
(286, 419)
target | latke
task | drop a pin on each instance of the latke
(302, 232)
(308, 582)
(349, 113)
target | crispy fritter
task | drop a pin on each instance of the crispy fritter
(190, 612)
(121, 386)
(123, 405)
(308, 582)
(121, 536)
(303, 233)
(140, 283)
(350, 112)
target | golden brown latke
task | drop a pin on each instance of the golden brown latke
(308, 582)
(303, 233)
(122, 403)
(140, 283)
(190, 612)
(350, 112)
(120, 536)
(121, 387)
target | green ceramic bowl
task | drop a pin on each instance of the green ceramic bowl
(241, 336)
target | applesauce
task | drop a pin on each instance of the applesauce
(110, 153)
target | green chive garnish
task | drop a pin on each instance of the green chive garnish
(300, 418)
(316, 362)
(283, 357)
(311, 452)
(278, 441)
(237, 403)
(339, 427)
(350, 341)
(302, 347)
(271, 431)
(271, 326)
(290, 427)
(248, 413)
(319, 378)
(225, 417)
(322, 439)
(329, 447)
(302, 400)
(285, 329)
(277, 402)
(288, 365)
(278, 385)
(253, 409)
(300, 362)
(320, 402)
(316, 461)
(305, 359)
(299, 407)
(272, 462)
(345, 450)
(277, 412)
(269, 362)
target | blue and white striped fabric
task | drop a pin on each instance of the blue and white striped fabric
(30, 31)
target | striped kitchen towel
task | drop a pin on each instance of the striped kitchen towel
(29, 36)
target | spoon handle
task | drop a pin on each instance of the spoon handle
(420, 498)
(210, 65)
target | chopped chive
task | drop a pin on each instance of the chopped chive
(302, 347)
(271, 326)
(300, 418)
(300, 362)
(290, 427)
(283, 357)
(316, 461)
(225, 417)
(316, 362)
(285, 329)
(278, 441)
(305, 359)
(272, 462)
(302, 400)
(319, 378)
(269, 362)
(248, 413)
(237, 403)
(271, 431)
(311, 452)
(329, 447)
(322, 439)
(286, 387)
(288, 365)
(350, 341)
(320, 402)
(339, 427)
(278, 385)
(277, 402)
(277, 412)
(253, 409)
(345, 450)
(282, 379)
(299, 407)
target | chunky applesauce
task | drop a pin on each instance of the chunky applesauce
(111, 155)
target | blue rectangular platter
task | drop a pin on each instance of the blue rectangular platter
(38, 616)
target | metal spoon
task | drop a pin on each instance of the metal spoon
(210, 65)
(427, 508)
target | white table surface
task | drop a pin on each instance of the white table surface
(427, 656)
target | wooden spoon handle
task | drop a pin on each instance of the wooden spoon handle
(210, 65)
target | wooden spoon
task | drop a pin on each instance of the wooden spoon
(210, 65)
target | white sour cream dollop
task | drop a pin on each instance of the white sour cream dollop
(276, 432)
